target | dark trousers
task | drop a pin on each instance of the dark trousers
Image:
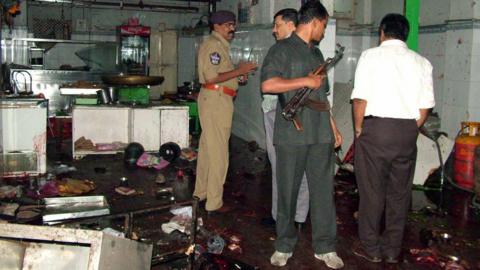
(317, 161)
(385, 156)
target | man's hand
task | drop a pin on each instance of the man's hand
(358, 132)
(314, 81)
(359, 107)
(336, 133)
(246, 67)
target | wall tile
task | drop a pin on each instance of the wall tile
(474, 96)
(451, 118)
(457, 67)
(456, 93)
(461, 9)
(459, 41)
(475, 69)
(474, 113)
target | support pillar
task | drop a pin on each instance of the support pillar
(412, 12)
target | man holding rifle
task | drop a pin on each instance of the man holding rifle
(285, 22)
(285, 70)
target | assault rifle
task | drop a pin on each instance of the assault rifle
(300, 99)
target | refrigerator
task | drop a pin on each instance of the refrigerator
(134, 41)
(163, 61)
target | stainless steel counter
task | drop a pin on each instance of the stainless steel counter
(48, 82)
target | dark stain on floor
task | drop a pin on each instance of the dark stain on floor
(248, 191)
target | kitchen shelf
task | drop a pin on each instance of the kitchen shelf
(58, 40)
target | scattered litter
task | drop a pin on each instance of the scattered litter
(199, 250)
(181, 222)
(113, 232)
(84, 144)
(182, 211)
(8, 209)
(234, 239)
(188, 154)
(165, 193)
(63, 169)
(160, 179)
(235, 248)
(127, 191)
(73, 187)
(215, 244)
(123, 181)
(163, 242)
(147, 160)
(28, 213)
(10, 192)
(114, 146)
(171, 226)
(49, 189)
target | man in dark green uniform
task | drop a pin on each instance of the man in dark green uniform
(285, 70)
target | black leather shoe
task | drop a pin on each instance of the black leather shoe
(359, 251)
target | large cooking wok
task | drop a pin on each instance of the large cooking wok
(132, 80)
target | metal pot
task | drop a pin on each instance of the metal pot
(104, 96)
(112, 91)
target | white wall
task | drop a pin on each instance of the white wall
(449, 39)
(263, 12)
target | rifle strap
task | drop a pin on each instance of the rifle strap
(316, 105)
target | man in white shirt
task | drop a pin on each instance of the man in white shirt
(392, 97)
(285, 22)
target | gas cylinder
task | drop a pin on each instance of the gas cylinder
(464, 158)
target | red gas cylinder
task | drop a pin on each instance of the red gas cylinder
(464, 158)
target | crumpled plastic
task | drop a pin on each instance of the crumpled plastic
(188, 154)
(147, 160)
(49, 189)
(184, 211)
(181, 223)
(9, 192)
(215, 244)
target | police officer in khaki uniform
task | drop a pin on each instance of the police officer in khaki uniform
(219, 79)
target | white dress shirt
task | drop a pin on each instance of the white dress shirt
(395, 81)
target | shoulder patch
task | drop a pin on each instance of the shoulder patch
(215, 58)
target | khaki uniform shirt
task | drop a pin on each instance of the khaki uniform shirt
(214, 58)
